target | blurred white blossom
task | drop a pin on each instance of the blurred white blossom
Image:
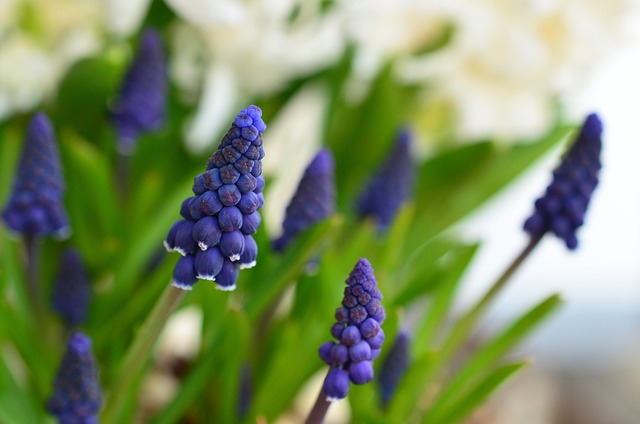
(253, 48)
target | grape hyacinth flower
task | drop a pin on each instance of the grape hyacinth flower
(358, 334)
(76, 397)
(35, 207)
(72, 291)
(215, 235)
(313, 201)
(141, 103)
(561, 210)
(391, 185)
(394, 367)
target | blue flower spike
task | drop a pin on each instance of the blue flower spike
(72, 289)
(394, 367)
(35, 208)
(358, 333)
(562, 208)
(215, 235)
(391, 185)
(141, 103)
(313, 201)
(76, 397)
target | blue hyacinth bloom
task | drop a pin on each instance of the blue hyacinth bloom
(215, 235)
(71, 290)
(357, 331)
(76, 397)
(141, 103)
(35, 207)
(394, 367)
(313, 201)
(391, 185)
(562, 208)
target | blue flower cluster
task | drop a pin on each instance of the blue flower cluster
(71, 290)
(562, 208)
(391, 185)
(313, 201)
(76, 397)
(215, 235)
(394, 367)
(141, 103)
(35, 207)
(358, 333)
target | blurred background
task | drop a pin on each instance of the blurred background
(503, 71)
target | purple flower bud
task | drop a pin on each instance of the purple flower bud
(185, 208)
(339, 354)
(351, 335)
(562, 208)
(230, 218)
(259, 184)
(369, 328)
(72, 291)
(76, 394)
(361, 372)
(208, 263)
(141, 104)
(206, 232)
(232, 245)
(224, 214)
(336, 384)
(391, 185)
(250, 223)
(226, 279)
(35, 206)
(337, 329)
(394, 367)
(359, 352)
(376, 341)
(184, 274)
(249, 254)
(325, 352)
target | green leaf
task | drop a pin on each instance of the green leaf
(408, 394)
(476, 395)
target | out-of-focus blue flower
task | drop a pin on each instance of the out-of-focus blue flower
(141, 103)
(562, 208)
(215, 236)
(72, 291)
(358, 333)
(313, 201)
(35, 207)
(76, 397)
(391, 185)
(394, 367)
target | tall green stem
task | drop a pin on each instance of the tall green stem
(138, 353)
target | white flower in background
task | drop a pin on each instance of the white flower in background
(41, 39)
(509, 60)
(253, 48)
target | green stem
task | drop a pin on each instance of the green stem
(319, 410)
(32, 245)
(138, 353)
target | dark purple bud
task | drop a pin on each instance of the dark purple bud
(199, 185)
(259, 184)
(240, 144)
(243, 120)
(76, 394)
(256, 171)
(232, 245)
(336, 384)
(212, 179)
(562, 208)
(216, 160)
(250, 223)
(35, 207)
(339, 354)
(185, 208)
(195, 212)
(359, 352)
(229, 194)
(376, 341)
(337, 329)
(206, 232)
(342, 315)
(394, 367)
(325, 352)
(249, 133)
(210, 204)
(358, 314)
(369, 328)
(246, 183)
(361, 372)
(226, 279)
(229, 174)
(249, 254)
(184, 242)
(141, 104)
(248, 203)
(244, 165)
(230, 218)
(170, 241)
(252, 153)
(208, 263)
(184, 274)
(230, 154)
(351, 335)
(71, 290)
